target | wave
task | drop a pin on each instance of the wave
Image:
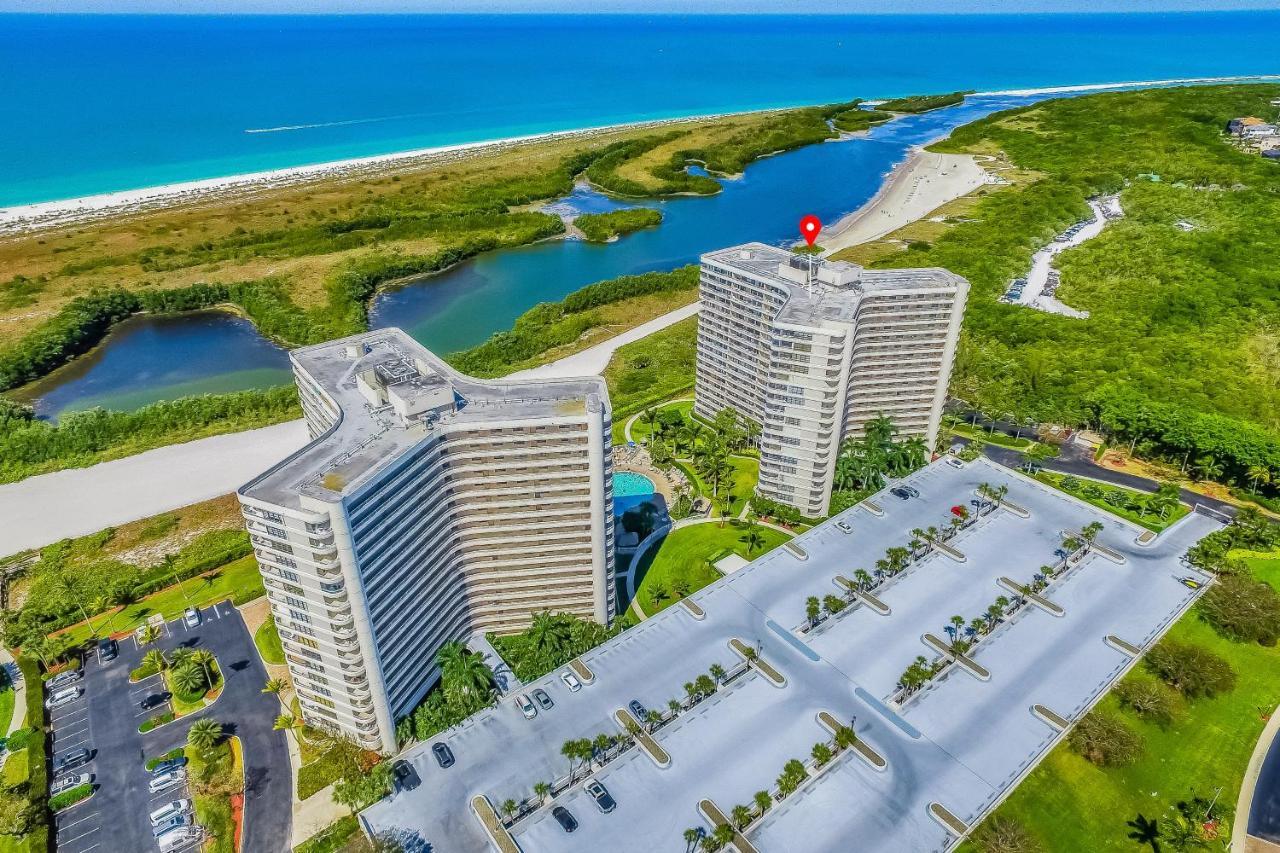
(286, 127)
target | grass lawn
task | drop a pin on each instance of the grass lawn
(342, 835)
(267, 639)
(184, 704)
(997, 438)
(238, 580)
(652, 369)
(1071, 805)
(683, 556)
(214, 773)
(1148, 520)
(640, 429)
(6, 701)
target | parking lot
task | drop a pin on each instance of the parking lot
(105, 720)
(961, 743)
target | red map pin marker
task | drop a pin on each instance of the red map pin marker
(809, 228)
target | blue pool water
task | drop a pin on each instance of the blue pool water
(630, 490)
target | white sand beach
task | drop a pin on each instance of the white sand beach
(918, 185)
(20, 219)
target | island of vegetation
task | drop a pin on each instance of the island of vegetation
(603, 227)
(921, 103)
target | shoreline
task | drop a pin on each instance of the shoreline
(18, 220)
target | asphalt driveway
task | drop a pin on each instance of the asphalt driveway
(106, 719)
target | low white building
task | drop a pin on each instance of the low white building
(813, 349)
(427, 507)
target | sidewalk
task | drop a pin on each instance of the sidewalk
(19, 692)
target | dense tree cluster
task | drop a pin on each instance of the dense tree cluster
(1105, 740)
(601, 227)
(1191, 670)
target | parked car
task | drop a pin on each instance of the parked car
(167, 780)
(571, 681)
(176, 839)
(169, 764)
(168, 810)
(902, 492)
(444, 755)
(843, 526)
(107, 649)
(954, 462)
(544, 701)
(526, 707)
(406, 777)
(597, 792)
(191, 617)
(155, 700)
(71, 760)
(567, 821)
(62, 679)
(171, 823)
(911, 491)
(63, 696)
(637, 710)
(71, 780)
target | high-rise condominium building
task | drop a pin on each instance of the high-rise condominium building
(428, 506)
(811, 350)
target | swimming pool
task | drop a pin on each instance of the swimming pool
(630, 489)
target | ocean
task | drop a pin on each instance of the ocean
(96, 104)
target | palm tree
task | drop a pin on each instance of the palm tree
(730, 501)
(863, 578)
(204, 659)
(569, 749)
(763, 801)
(540, 790)
(741, 816)
(691, 837)
(276, 687)
(156, 660)
(189, 679)
(1207, 468)
(652, 717)
(1258, 474)
(717, 672)
(957, 625)
(650, 417)
(812, 610)
(706, 686)
(691, 691)
(148, 635)
(203, 734)
(548, 634)
(509, 807)
(286, 723)
(724, 833)
(674, 706)
(845, 737)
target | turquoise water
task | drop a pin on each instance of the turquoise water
(120, 102)
(630, 490)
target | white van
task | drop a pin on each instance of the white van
(168, 810)
(176, 839)
(167, 780)
(63, 696)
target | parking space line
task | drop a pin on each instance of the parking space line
(78, 837)
(87, 849)
(59, 735)
(90, 816)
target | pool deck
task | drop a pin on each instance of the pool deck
(952, 751)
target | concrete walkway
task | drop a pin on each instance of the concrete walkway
(19, 692)
(593, 360)
(79, 501)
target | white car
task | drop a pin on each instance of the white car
(167, 780)
(191, 617)
(66, 783)
(571, 681)
(168, 810)
(526, 706)
(64, 696)
(843, 526)
(954, 461)
(176, 839)
(62, 679)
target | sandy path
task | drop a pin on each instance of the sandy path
(917, 186)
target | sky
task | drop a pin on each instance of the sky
(633, 6)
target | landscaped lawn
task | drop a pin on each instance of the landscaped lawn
(1150, 521)
(997, 438)
(184, 704)
(640, 429)
(267, 639)
(238, 580)
(221, 765)
(683, 556)
(1071, 805)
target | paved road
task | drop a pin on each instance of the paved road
(44, 509)
(106, 721)
(1264, 814)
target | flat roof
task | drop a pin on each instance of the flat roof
(828, 300)
(367, 437)
(960, 743)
